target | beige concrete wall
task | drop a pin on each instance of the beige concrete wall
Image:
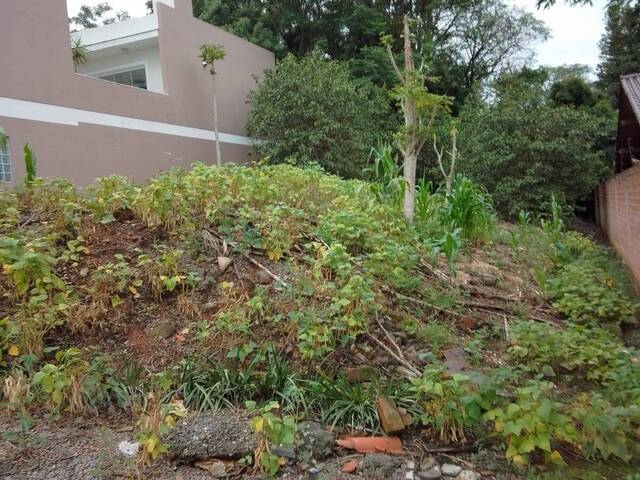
(34, 38)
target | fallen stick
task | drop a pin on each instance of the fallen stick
(506, 329)
(452, 449)
(469, 465)
(486, 306)
(400, 360)
(389, 337)
(430, 305)
(269, 272)
(436, 272)
(235, 270)
(28, 220)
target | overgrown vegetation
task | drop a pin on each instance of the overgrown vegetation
(345, 275)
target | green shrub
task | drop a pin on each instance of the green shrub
(590, 285)
(588, 352)
(106, 196)
(522, 148)
(531, 423)
(606, 430)
(324, 118)
(450, 404)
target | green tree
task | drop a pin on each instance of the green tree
(100, 14)
(465, 41)
(523, 148)
(324, 117)
(572, 91)
(619, 52)
(210, 54)
(551, 3)
(489, 38)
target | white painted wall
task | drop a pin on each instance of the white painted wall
(149, 56)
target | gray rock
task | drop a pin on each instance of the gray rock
(455, 360)
(263, 277)
(286, 452)
(206, 436)
(427, 464)
(313, 441)
(223, 263)
(467, 475)
(432, 474)
(209, 306)
(379, 466)
(163, 329)
(450, 470)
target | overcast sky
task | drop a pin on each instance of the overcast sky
(575, 30)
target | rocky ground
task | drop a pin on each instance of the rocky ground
(206, 446)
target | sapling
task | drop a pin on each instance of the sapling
(210, 54)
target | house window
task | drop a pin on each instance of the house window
(134, 77)
(5, 162)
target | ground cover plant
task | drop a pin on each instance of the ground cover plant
(298, 295)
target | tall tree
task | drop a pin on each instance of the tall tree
(619, 52)
(492, 37)
(465, 41)
(419, 108)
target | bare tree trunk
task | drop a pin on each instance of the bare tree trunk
(453, 154)
(452, 165)
(215, 122)
(410, 123)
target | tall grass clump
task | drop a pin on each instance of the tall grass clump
(468, 206)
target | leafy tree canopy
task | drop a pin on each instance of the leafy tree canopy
(94, 16)
(572, 91)
(619, 52)
(466, 41)
(324, 118)
(523, 147)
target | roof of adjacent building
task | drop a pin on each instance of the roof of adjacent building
(631, 87)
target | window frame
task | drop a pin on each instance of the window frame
(98, 74)
(6, 166)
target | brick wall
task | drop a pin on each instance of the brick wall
(618, 213)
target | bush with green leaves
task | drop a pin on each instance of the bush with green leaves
(324, 118)
(106, 196)
(606, 430)
(523, 148)
(531, 423)
(590, 285)
(450, 404)
(590, 353)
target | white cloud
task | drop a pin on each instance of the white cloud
(575, 32)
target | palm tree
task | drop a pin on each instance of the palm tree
(78, 53)
(209, 54)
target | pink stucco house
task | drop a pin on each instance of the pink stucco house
(140, 104)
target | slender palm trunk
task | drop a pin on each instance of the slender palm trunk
(215, 122)
(410, 122)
